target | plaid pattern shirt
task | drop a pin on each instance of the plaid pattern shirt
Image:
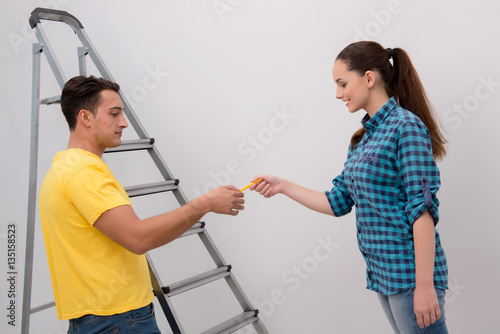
(391, 178)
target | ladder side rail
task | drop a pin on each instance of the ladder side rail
(32, 193)
(259, 326)
(51, 58)
(212, 250)
(219, 261)
(82, 64)
(168, 310)
(231, 281)
(166, 173)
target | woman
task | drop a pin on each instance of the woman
(390, 175)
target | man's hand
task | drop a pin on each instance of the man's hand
(226, 200)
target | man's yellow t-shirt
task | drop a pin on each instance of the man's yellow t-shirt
(90, 273)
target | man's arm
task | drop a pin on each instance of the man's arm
(122, 225)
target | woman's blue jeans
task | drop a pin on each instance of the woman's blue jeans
(399, 310)
(137, 321)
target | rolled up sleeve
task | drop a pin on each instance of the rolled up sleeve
(419, 171)
(339, 198)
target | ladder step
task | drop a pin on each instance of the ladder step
(235, 323)
(51, 100)
(197, 281)
(197, 228)
(152, 188)
(42, 307)
(132, 145)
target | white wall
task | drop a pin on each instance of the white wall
(222, 77)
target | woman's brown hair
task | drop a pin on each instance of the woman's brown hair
(401, 81)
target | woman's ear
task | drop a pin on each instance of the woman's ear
(370, 78)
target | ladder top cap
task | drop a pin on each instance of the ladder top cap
(53, 15)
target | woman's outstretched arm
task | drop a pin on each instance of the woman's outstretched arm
(272, 185)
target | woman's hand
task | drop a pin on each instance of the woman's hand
(269, 186)
(426, 305)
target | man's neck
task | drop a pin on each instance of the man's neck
(83, 143)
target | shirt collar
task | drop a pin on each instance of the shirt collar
(377, 119)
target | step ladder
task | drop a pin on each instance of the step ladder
(248, 316)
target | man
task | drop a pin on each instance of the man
(95, 242)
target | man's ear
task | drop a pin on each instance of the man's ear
(370, 78)
(85, 117)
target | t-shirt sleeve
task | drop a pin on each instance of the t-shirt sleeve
(93, 191)
(419, 171)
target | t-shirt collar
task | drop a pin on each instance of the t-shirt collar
(371, 123)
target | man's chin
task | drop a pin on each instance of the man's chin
(114, 144)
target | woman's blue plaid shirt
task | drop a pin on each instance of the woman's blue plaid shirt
(391, 177)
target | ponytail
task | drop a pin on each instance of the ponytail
(409, 91)
(402, 82)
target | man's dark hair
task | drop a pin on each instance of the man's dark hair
(83, 93)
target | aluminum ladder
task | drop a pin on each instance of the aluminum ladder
(248, 316)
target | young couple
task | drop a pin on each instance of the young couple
(92, 234)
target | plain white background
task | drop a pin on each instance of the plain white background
(233, 88)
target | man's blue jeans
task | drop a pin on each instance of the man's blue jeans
(137, 321)
(399, 310)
